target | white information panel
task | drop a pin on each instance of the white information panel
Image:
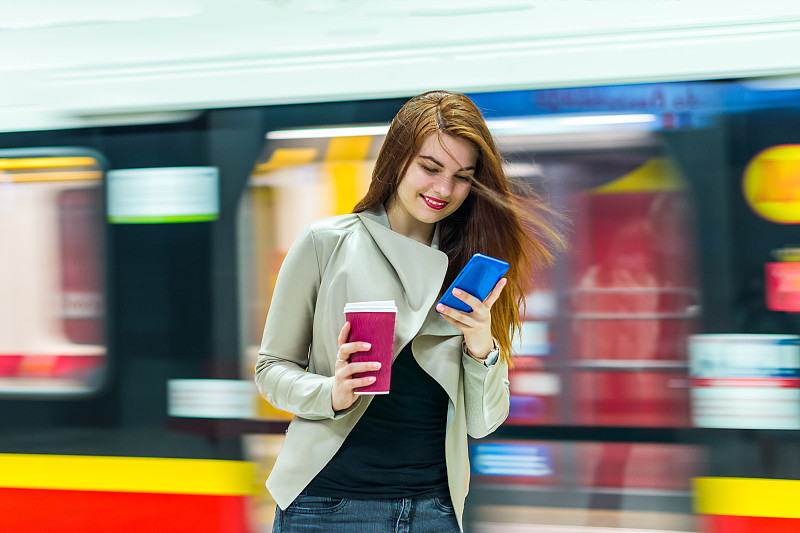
(163, 195)
(745, 381)
(211, 398)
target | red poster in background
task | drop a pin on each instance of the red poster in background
(80, 218)
(632, 307)
(783, 286)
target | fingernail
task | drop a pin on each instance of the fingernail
(457, 292)
(371, 378)
(440, 308)
(376, 366)
(366, 346)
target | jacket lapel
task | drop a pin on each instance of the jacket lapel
(420, 270)
(437, 349)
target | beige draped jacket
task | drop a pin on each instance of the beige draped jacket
(353, 258)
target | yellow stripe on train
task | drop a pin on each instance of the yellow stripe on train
(53, 176)
(127, 474)
(47, 162)
(774, 498)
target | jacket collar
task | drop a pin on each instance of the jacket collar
(379, 215)
(421, 270)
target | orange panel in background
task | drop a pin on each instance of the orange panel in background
(771, 184)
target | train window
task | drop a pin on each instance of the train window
(604, 342)
(52, 273)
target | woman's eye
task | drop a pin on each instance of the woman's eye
(462, 178)
(430, 170)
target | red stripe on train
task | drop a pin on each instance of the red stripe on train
(770, 383)
(48, 366)
(68, 511)
(750, 524)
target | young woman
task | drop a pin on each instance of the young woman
(398, 462)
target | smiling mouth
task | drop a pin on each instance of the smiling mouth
(433, 203)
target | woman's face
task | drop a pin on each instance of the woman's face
(436, 183)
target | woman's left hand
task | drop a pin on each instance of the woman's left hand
(477, 325)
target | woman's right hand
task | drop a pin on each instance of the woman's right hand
(342, 395)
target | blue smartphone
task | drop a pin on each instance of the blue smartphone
(478, 278)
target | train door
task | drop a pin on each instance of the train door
(52, 276)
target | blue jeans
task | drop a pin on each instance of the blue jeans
(344, 515)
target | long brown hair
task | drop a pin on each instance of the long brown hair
(496, 219)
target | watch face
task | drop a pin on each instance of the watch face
(492, 357)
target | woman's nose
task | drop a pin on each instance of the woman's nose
(443, 185)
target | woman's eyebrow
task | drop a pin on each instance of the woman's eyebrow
(433, 160)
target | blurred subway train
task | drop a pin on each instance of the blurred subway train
(158, 158)
(655, 379)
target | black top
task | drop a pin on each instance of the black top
(396, 450)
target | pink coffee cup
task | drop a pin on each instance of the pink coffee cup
(373, 322)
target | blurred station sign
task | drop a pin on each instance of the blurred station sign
(507, 459)
(745, 381)
(163, 195)
(211, 398)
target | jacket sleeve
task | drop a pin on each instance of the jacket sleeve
(486, 395)
(280, 371)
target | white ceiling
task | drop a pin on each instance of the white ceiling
(67, 64)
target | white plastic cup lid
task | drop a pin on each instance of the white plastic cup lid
(381, 306)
